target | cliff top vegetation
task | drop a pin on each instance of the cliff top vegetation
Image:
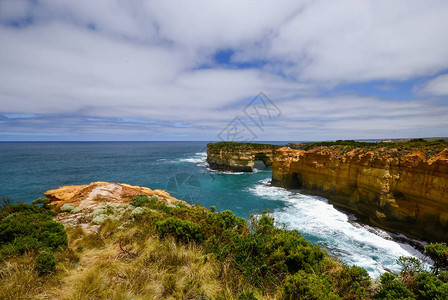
(430, 148)
(219, 145)
(149, 249)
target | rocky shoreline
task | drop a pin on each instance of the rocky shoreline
(403, 191)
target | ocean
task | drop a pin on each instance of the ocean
(27, 170)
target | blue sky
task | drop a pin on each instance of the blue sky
(183, 70)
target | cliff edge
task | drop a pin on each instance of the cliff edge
(89, 205)
(399, 189)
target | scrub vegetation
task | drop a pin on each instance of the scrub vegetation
(430, 148)
(180, 252)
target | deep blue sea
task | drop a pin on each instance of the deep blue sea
(27, 170)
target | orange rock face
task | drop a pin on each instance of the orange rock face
(90, 196)
(239, 158)
(405, 193)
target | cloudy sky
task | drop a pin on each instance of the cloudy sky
(194, 70)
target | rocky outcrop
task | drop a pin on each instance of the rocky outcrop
(239, 157)
(401, 192)
(79, 204)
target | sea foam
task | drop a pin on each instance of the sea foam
(319, 222)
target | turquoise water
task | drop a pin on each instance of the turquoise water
(29, 169)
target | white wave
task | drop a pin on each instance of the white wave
(192, 160)
(233, 173)
(225, 172)
(200, 159)
(321, 223)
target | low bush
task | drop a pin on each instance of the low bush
(392, 288)
(266, 254)
(430, 287)
(352, 282)
(140, 200)
(29, 228)
(307, 286)
(45, 263)
(438, 252)
(183, 230)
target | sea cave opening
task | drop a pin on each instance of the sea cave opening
(261, 161)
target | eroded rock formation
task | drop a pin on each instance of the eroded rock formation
(78, 203)
(405, 193)
(239, 157)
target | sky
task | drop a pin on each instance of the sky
(121, 70)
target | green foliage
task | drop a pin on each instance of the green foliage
(140, 200)
(410, 265)
(267, 253)
(352, 282)
(307, 286)
(392, 288)
(42, 200)
(45, 263)
(29, 228)
(183, 230)
(430, 287)
(247, 296)
(430, 147)
(438, 252)
(223, 220)
(5, 202)
(219, 145)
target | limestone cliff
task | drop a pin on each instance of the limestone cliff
(238, 157)
(401, 192)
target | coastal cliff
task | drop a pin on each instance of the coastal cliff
(88, 206)
(239, 157)
(402, 190)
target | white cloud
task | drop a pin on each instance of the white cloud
(145, 60)
(437, 86)
(364, 40)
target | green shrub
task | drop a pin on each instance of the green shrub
(409, 265)
(42, 200)
(183, 230)
(67, 207)
(392, 288)
(438, 252)
(143, 199)
(352, 282)
(307, 286)
(267, 254)
(140, 200)
(30, 228)
(45, 263)
(430, 287)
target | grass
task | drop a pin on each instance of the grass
(232, 260)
